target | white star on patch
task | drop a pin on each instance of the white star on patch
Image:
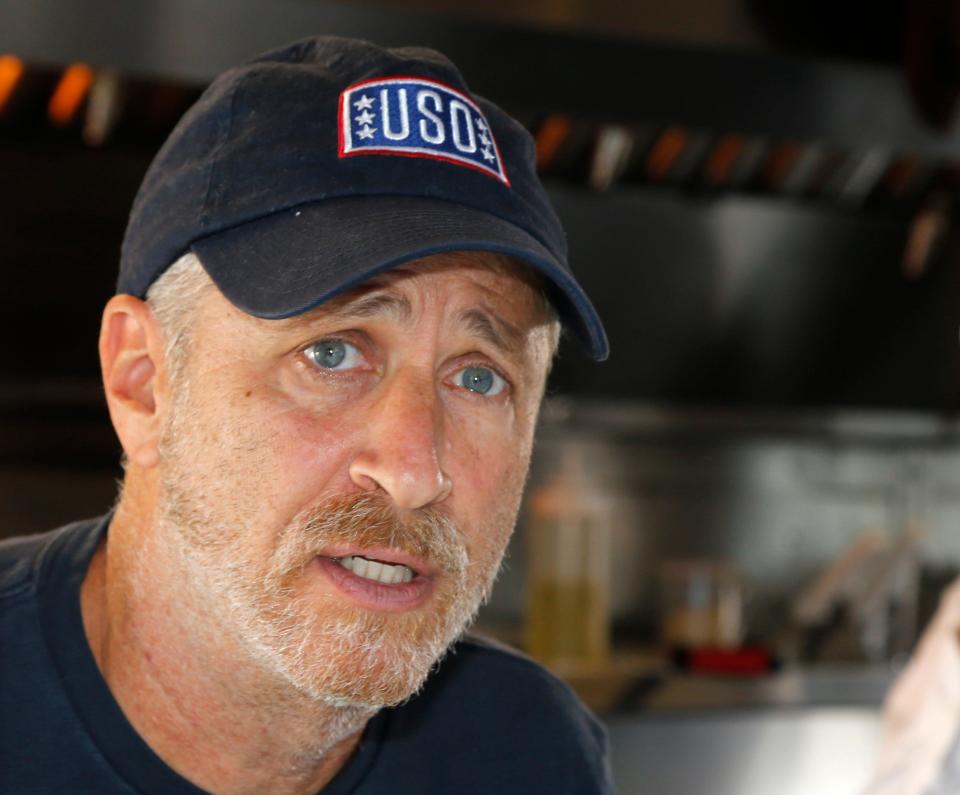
(364, 118)
(488, 155)
(484, 138)
(366, 132)
(481, 124)
(364, 103)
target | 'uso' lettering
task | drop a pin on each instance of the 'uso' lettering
(417, 117)
(438, 136)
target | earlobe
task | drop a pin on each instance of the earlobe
(131, 355)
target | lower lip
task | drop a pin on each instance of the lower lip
(375, 595)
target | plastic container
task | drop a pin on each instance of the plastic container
(569, 529)
(701, 605)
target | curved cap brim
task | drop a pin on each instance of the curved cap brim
(296, 259)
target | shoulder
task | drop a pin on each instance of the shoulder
(24, 559)
(513, 682)
(492, 711)
(487, 662)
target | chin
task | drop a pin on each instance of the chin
(366, 661)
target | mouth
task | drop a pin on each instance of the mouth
(376, 570)
(385, 580)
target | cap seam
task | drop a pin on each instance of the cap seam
(224, 135)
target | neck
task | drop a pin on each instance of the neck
(199, 701)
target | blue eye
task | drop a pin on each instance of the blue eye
(481, 380)
(333, 354)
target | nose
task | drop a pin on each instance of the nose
(402, 454)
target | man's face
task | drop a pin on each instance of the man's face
(340, 487)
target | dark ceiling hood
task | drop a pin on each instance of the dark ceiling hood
(742, 216)
(697, 63)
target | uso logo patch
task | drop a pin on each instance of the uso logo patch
(417, 117)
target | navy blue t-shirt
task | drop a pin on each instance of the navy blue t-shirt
(487, 721)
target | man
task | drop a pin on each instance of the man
(336, 310)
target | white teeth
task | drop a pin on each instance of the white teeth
(385, 573)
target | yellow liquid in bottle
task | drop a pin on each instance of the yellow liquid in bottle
(567, 621)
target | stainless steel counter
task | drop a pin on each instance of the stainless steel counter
(800, 732)
(797, 751)
(831, 686)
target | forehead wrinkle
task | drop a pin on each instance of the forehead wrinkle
(377, 303)
(377, 297)
(359, 303)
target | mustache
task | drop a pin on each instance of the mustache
(371, 520)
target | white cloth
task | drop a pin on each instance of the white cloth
(922, 711)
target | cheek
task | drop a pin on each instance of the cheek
(481, 462)
(488, 471)
(278, 457)
(309, 451)
(491, 450)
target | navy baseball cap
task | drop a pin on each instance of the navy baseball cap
(310, 169)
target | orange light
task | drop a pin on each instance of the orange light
(69, 93)
(665, 152)
(11, 70)
(724, 157)
(780, 163)
(552, 133)
(902, 174)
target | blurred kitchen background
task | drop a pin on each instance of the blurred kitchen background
(736, 526)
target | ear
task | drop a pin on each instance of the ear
(132, 364)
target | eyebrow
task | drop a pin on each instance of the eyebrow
(495, 330)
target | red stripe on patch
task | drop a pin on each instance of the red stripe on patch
(465, 163)
(340, 142)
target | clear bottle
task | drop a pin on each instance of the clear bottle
(569, 529)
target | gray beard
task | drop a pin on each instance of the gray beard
(345, 657)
